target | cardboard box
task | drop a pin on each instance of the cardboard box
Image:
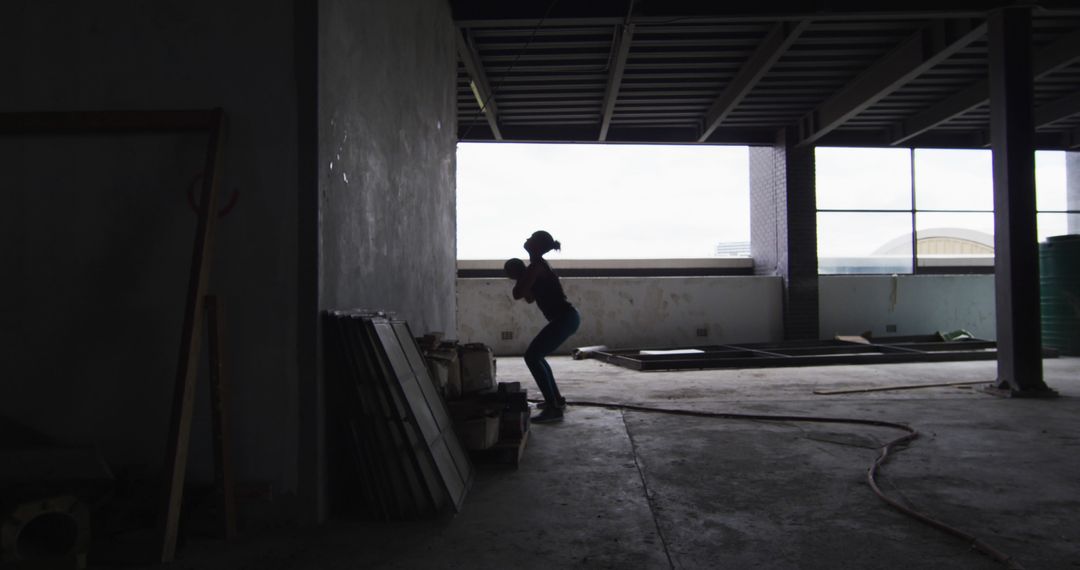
(445, 370)
(478, 433)
(477, 368)
(513, 425)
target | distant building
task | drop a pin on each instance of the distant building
(733, 248)
(942, 241)
(937, 248)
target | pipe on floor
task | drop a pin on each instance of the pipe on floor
(871, 473)
(897, 387)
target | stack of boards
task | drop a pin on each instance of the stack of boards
(409, 462)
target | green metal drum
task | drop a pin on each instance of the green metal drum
(1059, 278)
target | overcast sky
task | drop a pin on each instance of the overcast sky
(647, 201)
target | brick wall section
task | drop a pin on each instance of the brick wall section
(801, 305)
(768, 204)
(783, 230)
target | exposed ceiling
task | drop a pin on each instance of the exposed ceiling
(894, 73)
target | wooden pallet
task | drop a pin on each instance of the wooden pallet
(505, 453)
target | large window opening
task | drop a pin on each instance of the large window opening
(919, 210)
(621, 202)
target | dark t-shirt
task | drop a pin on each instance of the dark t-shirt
(548, 293)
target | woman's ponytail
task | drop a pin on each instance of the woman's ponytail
(556, 245)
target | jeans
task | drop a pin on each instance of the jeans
(547, 340)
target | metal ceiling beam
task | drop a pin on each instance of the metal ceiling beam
(925, 48)
(1043, 140)
(626, 36)
(1057, 110)
(1057, 55)
(665, 132)
(478, 82)
(778, 40)
(901, 13)
(1072, 139)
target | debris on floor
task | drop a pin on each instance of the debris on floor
(840, 350)
(46, 496)
(491, 418)
(494, 425)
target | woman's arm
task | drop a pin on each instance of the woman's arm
(527, 295)
(523, 287)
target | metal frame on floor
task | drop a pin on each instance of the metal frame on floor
(891, 350)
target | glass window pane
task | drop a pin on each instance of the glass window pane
(954, 179)
(1050, 180)
(1058, 224)
(955, 239)
(863, 178)
(864, 242)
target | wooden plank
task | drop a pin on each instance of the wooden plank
(355, 425)
(188, 360)
(219, 406)
(414, 478)
(212, 120)
(417, 451)
(897, 387)
(384, 442)
(434, 402)
(414, 398)
(419, 412)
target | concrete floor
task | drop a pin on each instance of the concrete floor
(608, 489)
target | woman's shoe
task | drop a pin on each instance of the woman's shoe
(548, 415)
(561, 404)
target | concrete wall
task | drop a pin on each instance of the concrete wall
(98, 232)
(916, 304)
(667, 311)
(383, 224)
(629, 311)
(387, 144)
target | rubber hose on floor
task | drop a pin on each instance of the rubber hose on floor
(871, 473)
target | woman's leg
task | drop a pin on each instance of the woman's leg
(555, 395)
(547, 340)
(534, 359)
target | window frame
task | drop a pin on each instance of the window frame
(914, 211)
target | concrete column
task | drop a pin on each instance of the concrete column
(783, 230)
(1072, 189)
(1016, 270)
(313, 507)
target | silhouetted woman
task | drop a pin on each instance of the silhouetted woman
(540, 283)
